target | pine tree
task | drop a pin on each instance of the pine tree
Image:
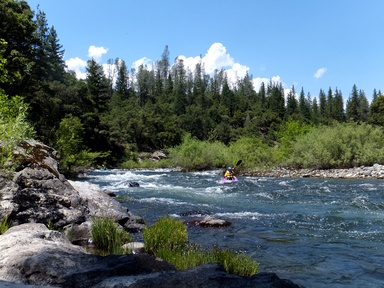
(97, 85)
(122, 80)
(323, 105)
(363, 107)
(353, 105)
(338, 106)
(292, 103)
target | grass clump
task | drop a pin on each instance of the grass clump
(108, 237)
(167, 239)
(5, 225)
(167, 234)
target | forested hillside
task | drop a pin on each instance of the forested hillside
(113, 117)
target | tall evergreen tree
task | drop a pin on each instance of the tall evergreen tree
(122, 80)
(363, 107)
(292, 103)
(275, 98)
(353, 103)
(97, 85)
(330, 108)
(180, 100)
(305, 105)
(262, 95)
(338, 106)
(323, 105)
(315, 111)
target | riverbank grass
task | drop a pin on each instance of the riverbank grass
(5, 225)
(167, 239)
(107, 237)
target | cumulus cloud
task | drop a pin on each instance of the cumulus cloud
(257, 82)
(78, 65)
(96, 52)
(146, 62)
(217, 58)
(320, 72)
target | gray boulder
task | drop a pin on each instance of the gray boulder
(38, 196)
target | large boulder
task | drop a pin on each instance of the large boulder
(38, 193)
(32, 254)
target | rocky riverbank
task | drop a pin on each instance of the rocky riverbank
(31, 255)
(364, 172)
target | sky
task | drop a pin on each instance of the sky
(308, 44)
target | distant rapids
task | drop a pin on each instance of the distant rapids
(315, 232)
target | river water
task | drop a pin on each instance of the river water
(316, 232)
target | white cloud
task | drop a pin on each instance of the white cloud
(320, 72)
(78, 65)
(146, 62)
(257, 82)
(217, 58)
(96, 52)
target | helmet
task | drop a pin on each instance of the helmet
(229, 168)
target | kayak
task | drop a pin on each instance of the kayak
(226, 180)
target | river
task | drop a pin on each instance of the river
(315, 232)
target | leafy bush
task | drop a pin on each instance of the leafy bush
(193, 154)
(340, 145)
(252, 151)
(70, 146)
(167, 239)
(14, 127)
(108, 237)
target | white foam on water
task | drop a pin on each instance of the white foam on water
(162, 200)
(241, 215)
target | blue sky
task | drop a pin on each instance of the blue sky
(314, 44)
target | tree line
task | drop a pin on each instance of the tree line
(112, 116)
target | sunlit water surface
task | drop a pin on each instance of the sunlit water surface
(316, 232)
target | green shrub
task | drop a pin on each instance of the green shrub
(14, 127)
(69, 143)
(108, 237)
(167, 239)
(252, 151)
(194, 154)
(340, 145)
(167, 233)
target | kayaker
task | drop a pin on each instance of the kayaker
(229, 173)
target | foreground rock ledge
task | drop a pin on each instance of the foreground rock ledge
(33, 255)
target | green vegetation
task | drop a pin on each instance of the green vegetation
(14, 127)
(167, 239)
(5, 225)
(201, 120)
(107, 237)
(340, 145)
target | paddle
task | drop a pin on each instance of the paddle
(238, 163)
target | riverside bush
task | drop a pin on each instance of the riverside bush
(338, 146)
(14, 127)
(252, 151)
(108, 237)
(193, 154)
(167, 239)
